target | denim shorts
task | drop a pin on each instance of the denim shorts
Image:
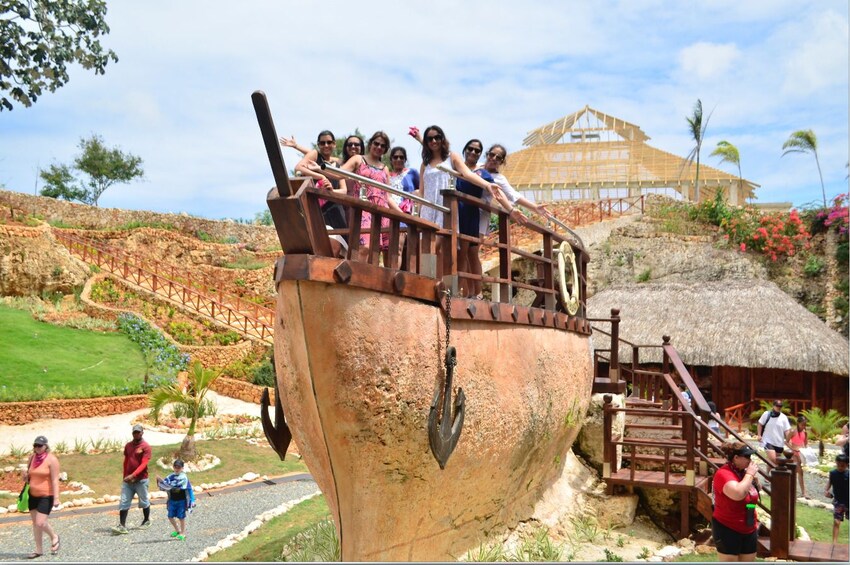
(128, 490)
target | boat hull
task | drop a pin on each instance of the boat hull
(357, 371)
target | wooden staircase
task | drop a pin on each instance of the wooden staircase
(246, 317)
(667, 443)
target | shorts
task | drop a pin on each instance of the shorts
(128, 490)
(41, 504)
(779, 449)
(730, 542)
(839, 511)
(176, 509)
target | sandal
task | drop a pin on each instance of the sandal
(54, 549)
(33, 555)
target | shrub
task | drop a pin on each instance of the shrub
(813, 267)
(264, 374)
(644, 276)
(160, 353)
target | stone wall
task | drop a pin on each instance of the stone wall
(32, 262)
(17, 413)
(91, 217)
(241, 390)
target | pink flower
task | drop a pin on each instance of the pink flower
(743, 247)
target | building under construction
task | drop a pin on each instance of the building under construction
(589, 155)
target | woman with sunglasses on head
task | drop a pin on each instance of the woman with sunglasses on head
(734, 524)
(432, 180)
(43, 476)
(371, 166)
(405, 179)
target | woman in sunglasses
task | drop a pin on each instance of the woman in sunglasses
(468, 219)
(333, 213)
(496, 157)
(405, 179)
(371, 166)
(734, 523)
(43, 476)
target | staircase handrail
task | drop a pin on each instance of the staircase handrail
(190, 279)
(264, 328)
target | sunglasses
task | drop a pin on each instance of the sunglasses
(398, 157)
(495, 156)
(476, 150)
(379, 145)
(35, 445)
(326, 142)
(438, 138)
(353, 144)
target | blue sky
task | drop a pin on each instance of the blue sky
(179, 95)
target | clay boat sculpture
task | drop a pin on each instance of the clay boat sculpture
(421, 459)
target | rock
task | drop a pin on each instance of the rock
(3, 510)
(617, 511)
(704, 549)
(668, 551)
(589, 441)
(686, 544)
(248, 477)
(63, 477)
(9, 469)
(12, 508)
(198, 490)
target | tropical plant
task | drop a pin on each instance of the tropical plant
(200, 380)
(805, 141)
(823, 425)
(728, 153)
(697, 124)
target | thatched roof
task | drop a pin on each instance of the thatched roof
(738, 323)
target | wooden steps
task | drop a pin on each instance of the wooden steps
(655, 479)
(655, 427)
(673, 459)
(800, 550)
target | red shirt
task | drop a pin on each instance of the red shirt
(136, 457)
(733, 513)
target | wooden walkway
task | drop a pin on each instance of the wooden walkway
(800, 550)
(247, 318)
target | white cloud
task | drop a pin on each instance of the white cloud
(819, 58)
(708, 60)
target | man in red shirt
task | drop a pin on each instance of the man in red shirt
(137, 453)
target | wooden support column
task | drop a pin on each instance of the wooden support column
(614, 367)
(781, 485)
(609, 455)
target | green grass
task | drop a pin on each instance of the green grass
(77, 359)
(267, 542)
(102, 472)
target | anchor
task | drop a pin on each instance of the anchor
(443, 436)
(278, 435)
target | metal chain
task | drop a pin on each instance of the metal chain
(448, 320)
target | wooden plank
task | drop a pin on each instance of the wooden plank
(271, 142)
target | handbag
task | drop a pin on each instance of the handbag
(24, 499)
(809, 456)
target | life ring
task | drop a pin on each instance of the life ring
(569, 300)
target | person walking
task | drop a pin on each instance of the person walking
(772, 427)
(43, 476)
(734, 524)
(137, 453)
(838, 490)
(180, 498)
(797, 439)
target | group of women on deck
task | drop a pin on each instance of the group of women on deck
(439, 164)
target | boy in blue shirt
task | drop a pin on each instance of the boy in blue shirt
(181, 498)
(838, 482)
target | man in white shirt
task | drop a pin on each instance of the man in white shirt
(771, 431)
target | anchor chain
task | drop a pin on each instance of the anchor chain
(444, 434)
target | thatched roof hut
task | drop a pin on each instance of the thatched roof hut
(740, 323)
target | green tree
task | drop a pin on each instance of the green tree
(805, 141)
(40, 38)
(103, 167)
(823, 425)
(728, 153)
(199, 383)
(697, 124)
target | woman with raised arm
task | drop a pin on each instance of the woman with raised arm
(333, 213)
(371, 166)
(468, 260)
(496, 157)
(734, 524)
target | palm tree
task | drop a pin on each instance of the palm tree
(728, 153)
(199, 383)
(823, 425)
(805, 141)
(697, 126)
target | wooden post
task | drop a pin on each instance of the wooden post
(781, 483)
(505, 293)
(609, 456)
(614, 367)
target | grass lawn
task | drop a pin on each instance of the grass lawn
(266, 543)
(102, 472)
(64, 362)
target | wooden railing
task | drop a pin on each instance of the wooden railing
(700, 439)
(739, 414)
(243, 316)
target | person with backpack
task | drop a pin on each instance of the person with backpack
(772, 427)
(181, 498)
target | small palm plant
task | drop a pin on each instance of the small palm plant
(823, 425)
(805, 141)
(697, 124)
(728, 153)
(192, 399)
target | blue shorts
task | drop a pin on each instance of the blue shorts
(839, 511)
(177, 509)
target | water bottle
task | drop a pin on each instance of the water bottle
(751, 515)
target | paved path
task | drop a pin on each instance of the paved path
(86, 535)
(116, 426)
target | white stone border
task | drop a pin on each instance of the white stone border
(258, 521)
